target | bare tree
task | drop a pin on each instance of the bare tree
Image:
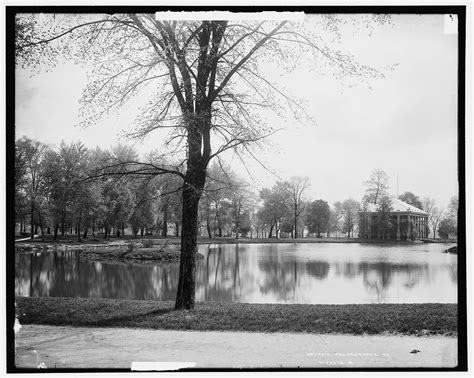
(436, 215)
(377, 186)
(202, 80)
(350, 209)
(297, 186)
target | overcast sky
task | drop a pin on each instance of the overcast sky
(405, 123)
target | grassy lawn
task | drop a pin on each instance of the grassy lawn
(410, 319)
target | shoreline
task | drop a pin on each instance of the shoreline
(69, 244)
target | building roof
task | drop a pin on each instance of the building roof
(399, 206)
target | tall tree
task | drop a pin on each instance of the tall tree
(453, 207)
(336, 218)
(32, 156)
(364, 221)
(205, 82)
(384, 209)
(298, 185)
(276, 206)
(350, 209)
(377, 186)
(317, 217)
(447, 228)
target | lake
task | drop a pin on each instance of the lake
(319, 273)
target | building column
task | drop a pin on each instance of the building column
(408, 227)
(398, 227)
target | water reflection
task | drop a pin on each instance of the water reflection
(255, 273)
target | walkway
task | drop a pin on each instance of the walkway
(28, 238)
(69, 347)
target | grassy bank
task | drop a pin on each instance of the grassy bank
(411, 319)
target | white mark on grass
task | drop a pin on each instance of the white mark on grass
(161, 366)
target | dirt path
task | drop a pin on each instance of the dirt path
(69, 347)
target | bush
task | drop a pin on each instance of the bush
(147, 243)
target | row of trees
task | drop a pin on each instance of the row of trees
(72, 189)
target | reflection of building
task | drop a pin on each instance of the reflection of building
(407, 222)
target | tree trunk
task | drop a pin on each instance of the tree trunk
(56, 228)
(192, 190)
(237, 226)
(42, 232)
(32, 225)
(85, 233)
(219, 225)
(296, 221)
(208, 227)
(271, 231)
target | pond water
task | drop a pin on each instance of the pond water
(327, 273)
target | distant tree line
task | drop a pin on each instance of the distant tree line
(95, 192)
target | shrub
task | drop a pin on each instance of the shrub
(147, 243)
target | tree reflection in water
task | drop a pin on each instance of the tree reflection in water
(220, 279)
(243, 273)
(317, 269)
(378, 276)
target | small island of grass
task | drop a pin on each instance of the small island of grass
(132, 254)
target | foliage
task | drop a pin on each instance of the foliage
(317, 218)
(447, 228)
(364, 221)
(30, 183)
(276, 206)
(412, 199)
(384, 209)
